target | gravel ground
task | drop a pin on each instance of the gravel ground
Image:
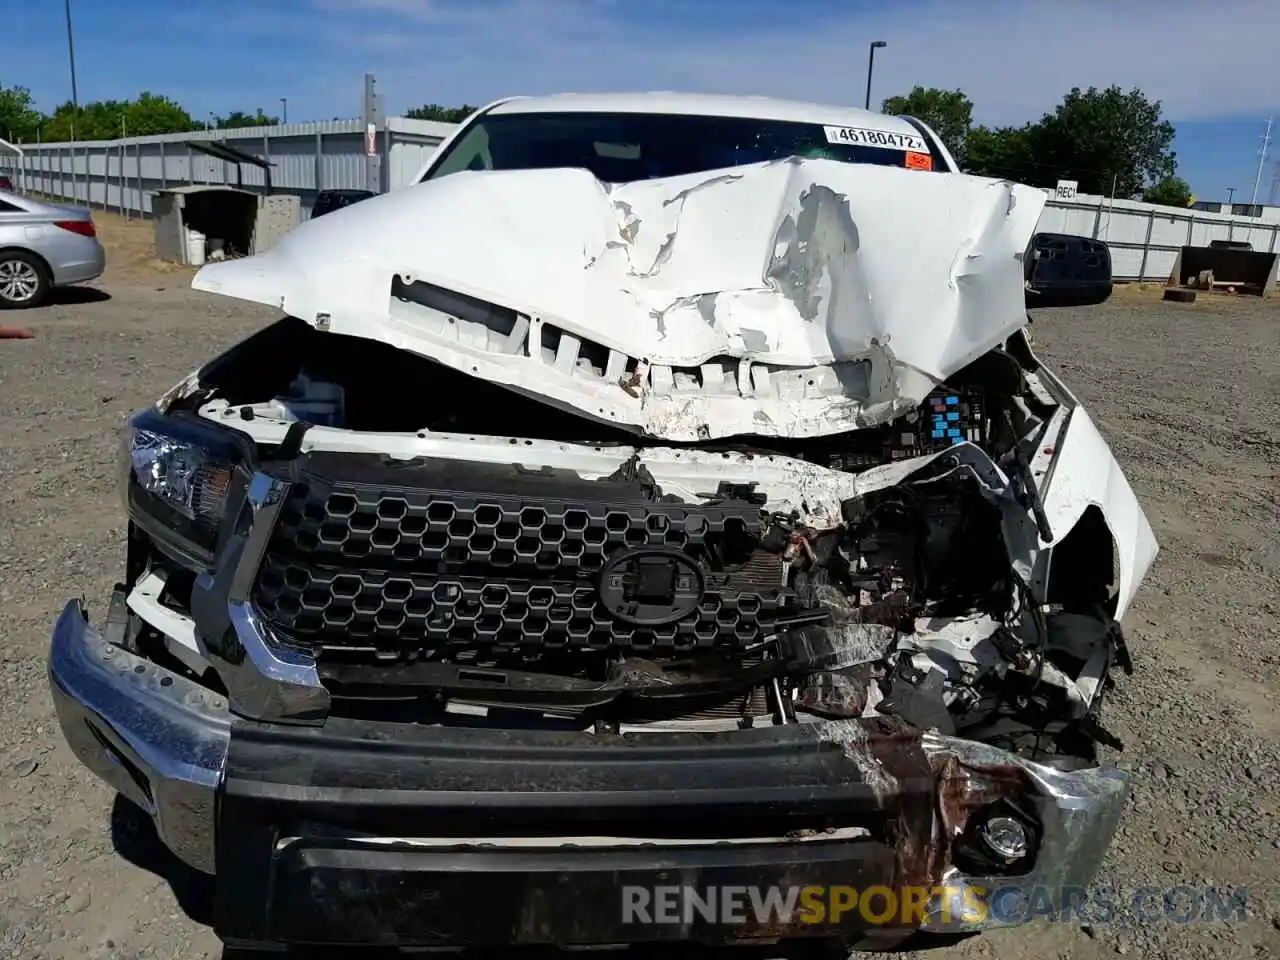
(1184, 394)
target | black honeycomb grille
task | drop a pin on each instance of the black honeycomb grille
(402, 573)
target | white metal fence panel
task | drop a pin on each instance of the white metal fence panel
(407, 158)
(1145, 238)
(123, 174)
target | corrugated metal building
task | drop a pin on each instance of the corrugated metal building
(1145, 238)
(307, 157)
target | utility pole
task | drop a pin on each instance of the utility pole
(1262, 159)
(871, 62)
(75, 96)
(71, 57)
(1231, 192)
(372, 117)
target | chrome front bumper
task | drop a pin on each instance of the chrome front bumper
(162, 741)
(157, 738)
(1078, 813)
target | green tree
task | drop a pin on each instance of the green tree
(19, 118)
(1104, 137)
(948, 112)
(1004, 152)
(98, 120)
(238, 118)
(149, 114)
(433, 111)
(1171, 192)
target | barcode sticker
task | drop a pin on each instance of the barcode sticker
(882, 139)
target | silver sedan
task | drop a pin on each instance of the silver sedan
(42, 246)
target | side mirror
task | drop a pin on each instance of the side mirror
(1063, 270)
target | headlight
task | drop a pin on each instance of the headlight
(176, 476)
(183, 476)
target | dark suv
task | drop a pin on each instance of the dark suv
(328, 201)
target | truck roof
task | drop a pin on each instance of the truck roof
(701, 104)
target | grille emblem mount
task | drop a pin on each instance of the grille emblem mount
(651, 586)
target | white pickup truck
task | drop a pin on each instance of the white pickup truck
(651, 527)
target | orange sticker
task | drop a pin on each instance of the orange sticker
(919, 161)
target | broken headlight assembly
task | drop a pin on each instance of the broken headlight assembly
(176, 475)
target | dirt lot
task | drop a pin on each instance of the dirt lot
(1187, 396)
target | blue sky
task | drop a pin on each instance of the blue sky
(1212, 64)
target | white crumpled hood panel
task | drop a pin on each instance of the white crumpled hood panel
(793, 298)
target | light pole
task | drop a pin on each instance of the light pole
(871, 62)
(71, 57)
(75, 96)
(284, 109)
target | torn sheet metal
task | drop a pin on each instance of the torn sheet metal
(793, 298)
(1087, 474)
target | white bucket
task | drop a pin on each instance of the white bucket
(195, 247)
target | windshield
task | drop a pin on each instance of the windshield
(624, 147)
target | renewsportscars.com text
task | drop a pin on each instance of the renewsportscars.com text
(911, 906)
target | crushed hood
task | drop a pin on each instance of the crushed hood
(793, 298)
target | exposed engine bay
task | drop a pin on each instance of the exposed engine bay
(451, 554)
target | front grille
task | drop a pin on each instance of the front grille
(403, 572)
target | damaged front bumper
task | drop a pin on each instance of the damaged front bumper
(1075, 813)
(156, 737)
(359, 832)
